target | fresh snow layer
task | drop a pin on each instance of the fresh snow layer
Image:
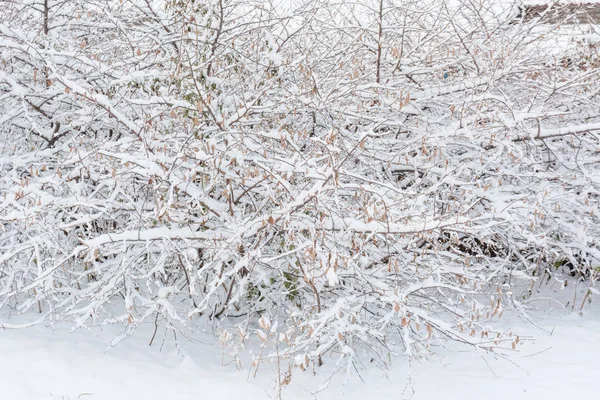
(44, 363)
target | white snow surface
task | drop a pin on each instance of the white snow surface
(51, 363)
(563, 362)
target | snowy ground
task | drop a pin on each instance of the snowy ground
(41, 363)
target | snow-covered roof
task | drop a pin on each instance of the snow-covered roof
(561, 2)
(587, 11)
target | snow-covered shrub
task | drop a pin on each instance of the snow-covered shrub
(313, 177)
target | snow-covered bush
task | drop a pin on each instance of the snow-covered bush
(313, 177)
